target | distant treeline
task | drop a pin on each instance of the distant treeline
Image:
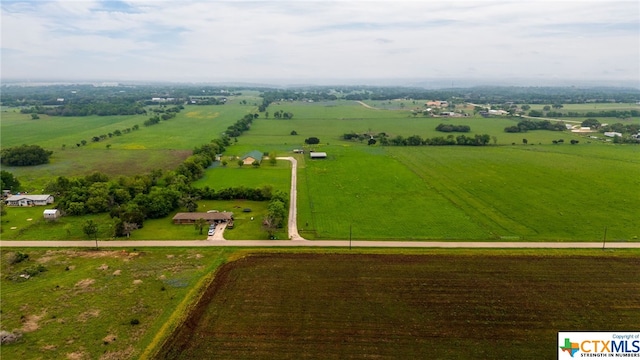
(99, 108)
(417, 140)
(604, 113)
(526, 125)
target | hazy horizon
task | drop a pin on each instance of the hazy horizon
(287, 43)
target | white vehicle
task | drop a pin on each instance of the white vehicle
(211, 232)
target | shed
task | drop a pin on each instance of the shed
(318, 155)
(51, 214)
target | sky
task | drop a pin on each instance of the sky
(323, 42)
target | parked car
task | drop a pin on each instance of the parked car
(211, 232)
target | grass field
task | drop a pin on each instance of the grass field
(539, 191)
(83, 304)
(440, 305)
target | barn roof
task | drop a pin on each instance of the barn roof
(255, 154)
(203, 215)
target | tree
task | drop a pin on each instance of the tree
(255, 164)
(312, 141)
(371, 141)
(224, 163)
(240, 162)
(592, 123)
(524, 141)
(90, 229)
(495, 140)
(199, 224)
(525, 107)
(108, 146)
(189, 202)
(35, 117)
(546, 108)
(3, 208)
(557, 106)
(293, 132)
(272, 159)
(8, 181)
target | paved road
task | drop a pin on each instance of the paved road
(323, 243)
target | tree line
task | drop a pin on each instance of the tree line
(453, 128)
(527, 124)
(417, 140)
(99, 108)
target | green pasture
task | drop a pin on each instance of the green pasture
(537, 191)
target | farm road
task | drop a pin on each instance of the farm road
(323, 243)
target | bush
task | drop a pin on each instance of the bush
(134, 322)
(16, 257)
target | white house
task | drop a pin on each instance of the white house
(612, 134)
(29, 200)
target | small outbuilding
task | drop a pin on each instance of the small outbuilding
(51, 214)
(318, 155)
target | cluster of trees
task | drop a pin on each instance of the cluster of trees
(241, 125)
(312, 141)
(526, 125)
(621, 114)
(25, 155)
(112, 107)
(167, 114)
(453, 128)
(417, 140)
(619, 127)
(314, 94)
(282, 115)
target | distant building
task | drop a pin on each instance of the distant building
(612, 134)
(249, 158)
(29, 200)
(318, 155)
(298, 151)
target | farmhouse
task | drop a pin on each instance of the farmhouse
(612, 134)
(51, 214)
(249, 158)
(318, 155)
(209, 217)
(29, 200)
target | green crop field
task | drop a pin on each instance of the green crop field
(436, 306)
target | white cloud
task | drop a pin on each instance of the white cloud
(209, 41)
